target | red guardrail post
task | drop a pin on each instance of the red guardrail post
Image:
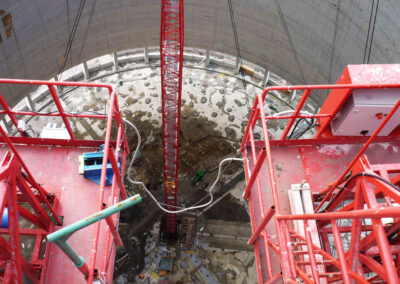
(61, 111)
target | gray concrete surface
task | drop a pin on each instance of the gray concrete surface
(40, 31)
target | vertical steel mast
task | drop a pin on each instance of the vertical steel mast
(171, 57)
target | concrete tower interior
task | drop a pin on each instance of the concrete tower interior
(232, 51)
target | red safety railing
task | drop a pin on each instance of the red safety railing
(373, 256)
(121, 150)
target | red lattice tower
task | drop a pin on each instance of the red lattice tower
(171, 55)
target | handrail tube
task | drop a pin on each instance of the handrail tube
(311, 254)
(252, 219)
(298, 116)
(114, 165)
(340, 252)
(55, 83)
(386, 212)
(8, 111)
(260, 202)
(61, 111)
(102, 188)
(114, 231)
(329, 86)
(287, 273)
(113, 198)
(77, 260)
(300, 105)
(254, 174)
(250, 126)
(60, 237)
(280, 220)
(264, 222)
(67, 231)
(88, 115)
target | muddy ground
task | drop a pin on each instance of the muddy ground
(201, 148)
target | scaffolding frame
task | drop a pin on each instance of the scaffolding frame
(112, 150)
(373, 254)
(171, 58)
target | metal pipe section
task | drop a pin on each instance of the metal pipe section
(60, 237)
(66, 232)
(260, 228)
(61, 111)
(388, 212)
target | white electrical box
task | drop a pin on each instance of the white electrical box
(364, 111)
(51, 130)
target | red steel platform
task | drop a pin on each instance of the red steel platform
(317, 162)
(326, 209)
(56, 169)
(44, 174)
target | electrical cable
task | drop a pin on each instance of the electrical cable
(210, 193)
(289, 38)
(237, 45)
(344, 187)
(239, 55)
(297, 135)
(71, 37)
(294, 135)
(369, 28)
(310, 122)
(373, 31)
(87, 28)
(335, 29)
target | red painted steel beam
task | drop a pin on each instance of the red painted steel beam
(30, 177)
(114, 230)
(15, 255)
(113, 199)
(267, 217)
(61, 111)
(340, 252)
(117, 173)
(102, 189)
(8, 111)
(335, 262)
(171, 57)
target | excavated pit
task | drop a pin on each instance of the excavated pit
(202, 149)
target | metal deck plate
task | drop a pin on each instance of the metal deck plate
(56, 168)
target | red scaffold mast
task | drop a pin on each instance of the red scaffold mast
(171, 57)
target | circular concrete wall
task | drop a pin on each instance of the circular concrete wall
(305, 41)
